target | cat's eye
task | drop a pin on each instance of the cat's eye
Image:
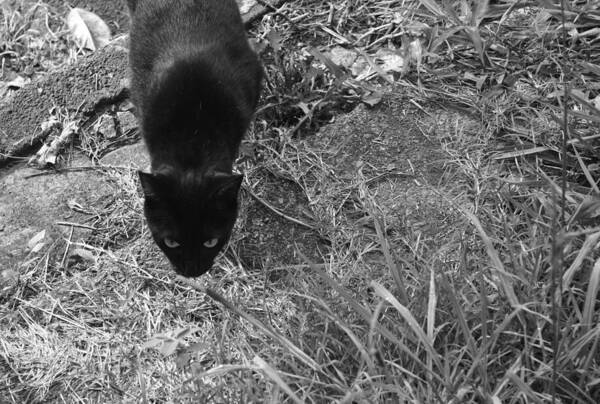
(170, 243)
(211, 243)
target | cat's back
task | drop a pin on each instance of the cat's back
(163, 29)
(208, 36)
(194, 78)
(173, 22)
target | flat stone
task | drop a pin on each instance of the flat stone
(95, 80)
(105, 126)
(127, 121)
(32, 201)
(135, 156)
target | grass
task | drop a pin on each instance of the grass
(483, 289)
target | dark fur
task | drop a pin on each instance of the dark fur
(195, 83)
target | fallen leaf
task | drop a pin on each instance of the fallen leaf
(169, 347)
(257, 45)
(372, 98)
(89, 31)
(184, 332)
(333, 68)
(105, 125)
(342, 56)
(154, 342)
(361, 68)
(35, 240)
(390, 61)
(83, 254)
(8, 281)
(48, 153)
(127, 121)
(18, 82)
(37, 247)
(50, 124)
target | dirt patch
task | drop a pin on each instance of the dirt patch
(385, 139)
(385, 151)
(374, 173)
(268, 239)
(96, 80)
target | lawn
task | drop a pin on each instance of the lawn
(420, 222)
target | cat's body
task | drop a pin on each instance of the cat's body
(195, 83)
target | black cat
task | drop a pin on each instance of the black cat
(195, 82)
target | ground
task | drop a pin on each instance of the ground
(399, 239)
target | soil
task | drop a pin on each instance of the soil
(387, 146)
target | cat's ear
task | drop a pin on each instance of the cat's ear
(228, 185)
(150, 185)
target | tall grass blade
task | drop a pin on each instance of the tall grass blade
(591, 297)
(408, 317)
(525, 389)
(273, 375)
(589, 245)
(504, 277)
(431, 309)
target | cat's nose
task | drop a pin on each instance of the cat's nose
(193, 269)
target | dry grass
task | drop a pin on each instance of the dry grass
(499, 303)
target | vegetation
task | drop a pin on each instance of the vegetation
(498, 302)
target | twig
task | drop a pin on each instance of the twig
(83, 226)
(275, 10)
(69, 240)
(82, 168)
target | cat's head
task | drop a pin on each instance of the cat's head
(190, 215)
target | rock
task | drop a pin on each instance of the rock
(127, 121)
(105, 126)
(32, 201)
(95, 80)
(134, 155)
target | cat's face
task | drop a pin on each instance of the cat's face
(190, 216)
